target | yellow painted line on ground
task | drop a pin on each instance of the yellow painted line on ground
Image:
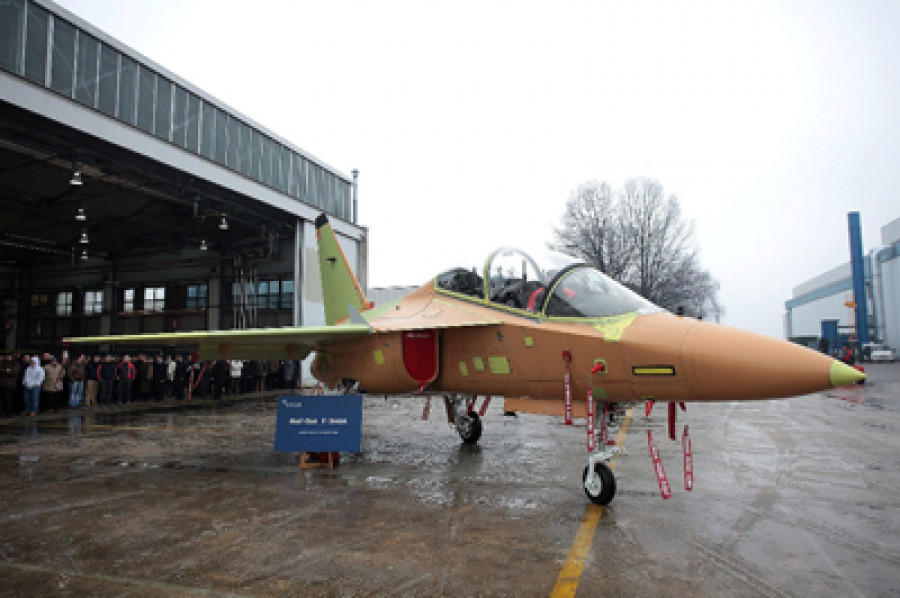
(567, 582)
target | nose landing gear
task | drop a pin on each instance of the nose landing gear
(598, 480)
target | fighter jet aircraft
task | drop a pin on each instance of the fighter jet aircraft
(519, 327)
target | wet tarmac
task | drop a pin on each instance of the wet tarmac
(791, 498)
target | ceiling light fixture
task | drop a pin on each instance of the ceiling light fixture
(84, 237)
(76, 174)
(84, 255)
(223, 223)
(80, 216)
(203, 246)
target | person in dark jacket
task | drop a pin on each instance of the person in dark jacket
(201, 380)
(107, 380)
(91, 381)
(125, 374)
(219, 377)
(159, 379)
(9, 378)
(182, 368)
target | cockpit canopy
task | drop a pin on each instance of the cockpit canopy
(555, 286)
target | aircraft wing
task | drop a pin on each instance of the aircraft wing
(423, 310)
(295, 342)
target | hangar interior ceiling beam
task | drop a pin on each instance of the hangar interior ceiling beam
(135, 207)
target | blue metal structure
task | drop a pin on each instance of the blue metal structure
(857, 267)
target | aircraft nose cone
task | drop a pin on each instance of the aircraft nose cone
(728, 364)
(842, 374)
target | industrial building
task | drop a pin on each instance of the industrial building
(132, 201)
(826, 306)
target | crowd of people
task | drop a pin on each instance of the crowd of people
(30, 384)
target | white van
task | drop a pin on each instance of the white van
(879, 352)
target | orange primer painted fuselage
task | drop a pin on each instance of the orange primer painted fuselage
(511, 353)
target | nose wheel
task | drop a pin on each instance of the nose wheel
(599, 482)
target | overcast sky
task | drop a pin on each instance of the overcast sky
(472, 122)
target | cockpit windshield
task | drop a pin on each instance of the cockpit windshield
(585, 292)
(514, 279)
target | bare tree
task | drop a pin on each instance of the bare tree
(638, 236)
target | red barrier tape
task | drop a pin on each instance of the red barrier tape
(591, 440)
(688, 461)
(664, 489)
(567, 357)
(484, 406)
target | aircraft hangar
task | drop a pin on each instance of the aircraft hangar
(132, 201)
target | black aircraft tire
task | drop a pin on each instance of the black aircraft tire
(473, 434)
(607, 484)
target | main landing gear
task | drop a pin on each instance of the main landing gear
(464, 417)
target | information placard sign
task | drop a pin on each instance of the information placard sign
(319, 424)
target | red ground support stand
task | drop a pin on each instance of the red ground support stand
(567, 358)
(673, 415)
(664, 489)
(329, 460)
(426, 411)
(688, 461)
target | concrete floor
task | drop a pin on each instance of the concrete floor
(791, 498)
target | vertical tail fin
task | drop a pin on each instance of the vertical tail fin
(340, 288)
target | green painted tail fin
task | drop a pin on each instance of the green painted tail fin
(340, 289)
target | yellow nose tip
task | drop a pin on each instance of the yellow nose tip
(842, 374)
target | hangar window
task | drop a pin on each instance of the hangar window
(266, 162)
(163, 120)
(86, 74)
(256, 141)
(207, 130)
(93, 302)
(36, 44)
(287, 294)
(154, 298)
(196, 296)
(234, 143)
(284, 176)
(193, 123)
(64, 303)
(146, 89)
(179, 116)
(62, 69)
(245, 151)
(128, 300)
(220, 145)
(108, 80)
(39, 300)
(128, 76)
(11, 13)
(275, 294)
(267, 294)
